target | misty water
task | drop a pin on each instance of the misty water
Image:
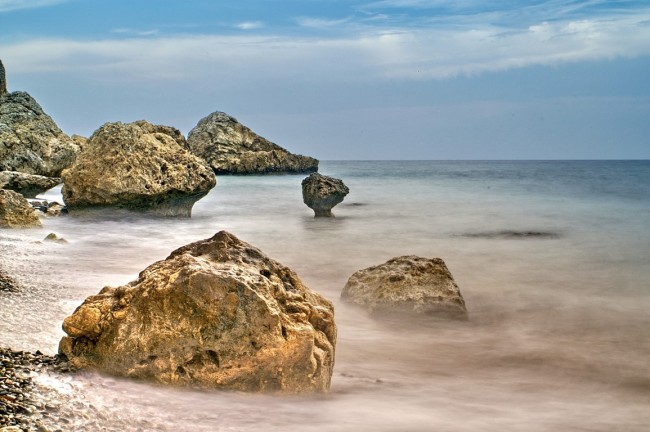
(552, 258)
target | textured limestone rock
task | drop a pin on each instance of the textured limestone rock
(407, 284)
(30, 141)
(28, 185)
(138, 166)
(15, 211)
(321, 193)
(232, 148)
(216, 313)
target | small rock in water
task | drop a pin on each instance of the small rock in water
(407, 285)
(52, 237)
(321, 193)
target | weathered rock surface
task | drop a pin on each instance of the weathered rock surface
(15, 211)
(30, 141)
(216, 313)
(28, 185)
(232, 148)
(138, 166)
(407, 285)
(321, 193)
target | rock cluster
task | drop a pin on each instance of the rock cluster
(321, 193)
(28, 185)
(216, 313)
(7, 283)
(19, 409)
(138, 166)
(232, 148)
(15, 211)
(407, 285)
(48, 208)
(30, 141)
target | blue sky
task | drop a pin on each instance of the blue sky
(373, 79)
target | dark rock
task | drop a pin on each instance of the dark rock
(407, 285)
(232, 148)
(138, 166)
(28, 185)
(3, 79)
(7, 283)
(216, 313)
(52, 237)
(321, 193)
(15, 211)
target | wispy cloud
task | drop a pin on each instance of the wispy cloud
(320, 22)
(132, 32)
(11, 5)
(250, 25)
(399, 53)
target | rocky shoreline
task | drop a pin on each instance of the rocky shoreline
(22, 409)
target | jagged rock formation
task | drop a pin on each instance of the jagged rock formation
(15, 211)
(321, 193)
(138, 166)
(216, 313)
(28, 185)
(30, 141)
(407, 285)
(3, 79)
(232, 148)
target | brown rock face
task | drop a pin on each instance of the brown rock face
(28, 185)
(138, 166)
(216, 313)
(407, 285)
(321, 193)
(15, 211)
(30, 141)
(232, 148)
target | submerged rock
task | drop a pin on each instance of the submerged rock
(52, 237)
(28, 185)
(138, 166)
(30, 141)
(232, 148)
(321, 193)
(15, 211)
(407, 285)
(7, 283)
(216, 313)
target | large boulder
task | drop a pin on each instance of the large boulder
(30, 141)
(216, 313)
(15, 211)
(407, 285)
(138, 166)
(28, 185)
(321, 193)
(232, 148)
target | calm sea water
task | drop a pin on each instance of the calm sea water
(552, 258)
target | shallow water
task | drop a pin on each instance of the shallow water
(552, 258)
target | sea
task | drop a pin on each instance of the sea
(551, 257)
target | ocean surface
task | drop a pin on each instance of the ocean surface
(552, 258)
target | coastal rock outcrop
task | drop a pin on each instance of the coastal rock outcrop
(216, 313)
(15, 211)
(28, 185)
(321, 193)
(407, 285)
(232, 148)
(30, 141)
(138, 166)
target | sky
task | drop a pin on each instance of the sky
(349, 79)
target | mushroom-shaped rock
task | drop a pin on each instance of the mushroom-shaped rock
(138, 166)
(232, 148)
(28, 185)
(216, 313)
(15, 211)
(321, 193)
(407, 285)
